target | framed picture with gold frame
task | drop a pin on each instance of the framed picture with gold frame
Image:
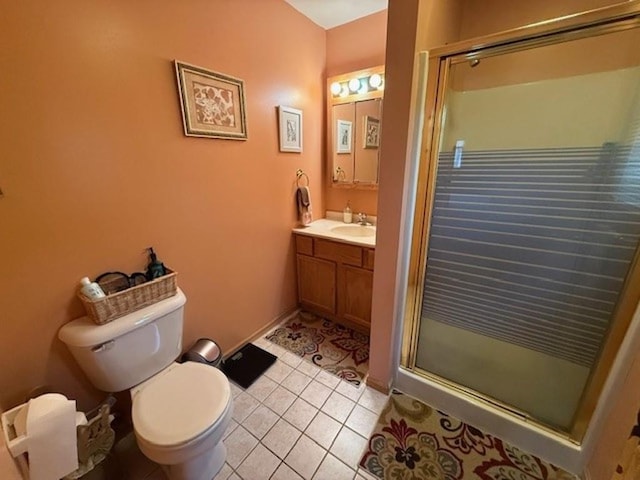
(212, 103)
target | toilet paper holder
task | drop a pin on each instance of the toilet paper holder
(94, 436)
(16, 442)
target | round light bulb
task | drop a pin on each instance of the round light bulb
(336, 88)
(375, 80)
(354, 84)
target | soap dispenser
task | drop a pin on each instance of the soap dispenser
(155, 268)
(347, 215)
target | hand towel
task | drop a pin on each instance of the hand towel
(303, 197)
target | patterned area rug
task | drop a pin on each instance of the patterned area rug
(331, 346)
(413, 441)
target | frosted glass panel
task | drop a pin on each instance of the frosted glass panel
(535, 223)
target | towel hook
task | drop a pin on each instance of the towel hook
(299, 175)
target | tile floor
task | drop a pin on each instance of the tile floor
(295, 422)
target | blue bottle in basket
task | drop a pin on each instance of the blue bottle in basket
(155, 268)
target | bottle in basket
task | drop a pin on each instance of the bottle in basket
(91, 289)
(156, 268)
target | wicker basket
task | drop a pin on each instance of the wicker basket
(104, 310)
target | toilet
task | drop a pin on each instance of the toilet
(179, 411)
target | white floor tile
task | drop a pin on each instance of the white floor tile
(333, 469)
(234, 477)
(338, 407)
(280, 400)
(316, 393)
(262, 343)
(291, 359)
(232, 426)
(284, 472)
(235, 389)
(261, 421)
(349, 447)
(277, 350)
(278, 371)
(308, 368)
(300, 414)
(364, 475)
(296, 382)
(262, 388)
(327, 379)
(259, 465)
(373, 399)
(131, 459)
(243, 405)
(281, 438)
(349, 390)
(362, 421)
(224, 472)
(305, 457)
(239, 444)
(323, 429)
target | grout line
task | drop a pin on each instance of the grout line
(302, 432)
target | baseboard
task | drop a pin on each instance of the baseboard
(376, 385)
(262, 331)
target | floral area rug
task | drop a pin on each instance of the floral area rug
(329, 345)
(413, 441)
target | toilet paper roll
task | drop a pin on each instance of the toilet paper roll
(51, 433)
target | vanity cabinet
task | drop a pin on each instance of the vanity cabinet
(335, 279)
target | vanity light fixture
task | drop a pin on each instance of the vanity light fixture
(361, 84)
(375, 80)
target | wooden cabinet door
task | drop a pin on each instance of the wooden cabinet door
(354, 294)
(317, 283)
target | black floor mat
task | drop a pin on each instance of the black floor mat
(247, 364)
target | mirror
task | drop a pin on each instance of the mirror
(354, 117)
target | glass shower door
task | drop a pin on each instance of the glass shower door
(535, 221)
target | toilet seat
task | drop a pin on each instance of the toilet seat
(180, 404)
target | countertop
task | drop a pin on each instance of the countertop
(322, 229)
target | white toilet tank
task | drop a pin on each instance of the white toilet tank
(123, 353)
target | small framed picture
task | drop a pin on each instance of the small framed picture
(290, 123)
(343, 136)
(212, 103)
(371, 132)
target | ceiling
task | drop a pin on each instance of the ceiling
(331, 13)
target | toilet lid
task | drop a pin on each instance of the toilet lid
(180, 404)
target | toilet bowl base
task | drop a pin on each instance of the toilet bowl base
(201, 467)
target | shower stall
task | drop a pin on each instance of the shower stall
(524, 274)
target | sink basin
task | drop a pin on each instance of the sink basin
(354, 230)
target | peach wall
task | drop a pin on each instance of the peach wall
(95, 167)
(483, 17)
(355, 46)
(413, 26)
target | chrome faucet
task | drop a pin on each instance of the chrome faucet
(362, 219)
